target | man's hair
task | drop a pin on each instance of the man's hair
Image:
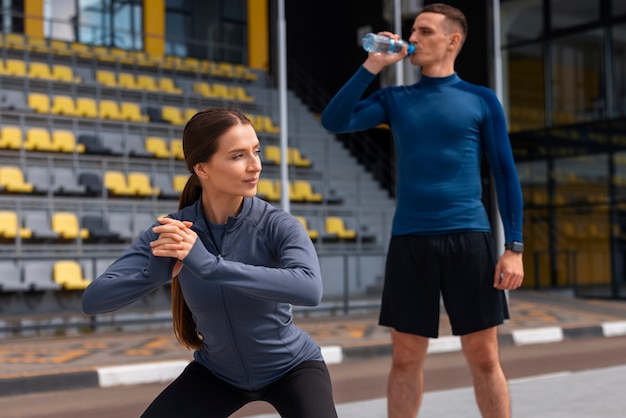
(455, 15)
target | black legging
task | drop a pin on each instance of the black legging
(304, 392)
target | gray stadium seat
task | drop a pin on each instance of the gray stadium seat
(141, 222)
(11, 277)
(38, 275)
(92, 182)
(98, 228)
(135, 147)
(39, 177)
(65, 182)
(39, 223)
(164, 182)
(119, 222)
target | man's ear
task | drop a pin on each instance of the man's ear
(455, 41)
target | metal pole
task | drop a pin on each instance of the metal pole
(397, 21)
(282, 89)
(498, 232)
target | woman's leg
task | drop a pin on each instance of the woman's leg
(196, 393)
(305, 392)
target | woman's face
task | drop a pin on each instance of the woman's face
(234, 169)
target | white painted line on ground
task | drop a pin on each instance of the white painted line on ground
(444, 344)
(333, 354)
(538, 335)
(614, 328)
(156, 372)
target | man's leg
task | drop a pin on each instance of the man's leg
(406, 379)
(490, 386)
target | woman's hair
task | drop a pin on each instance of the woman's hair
(452, 13)
(200, 142)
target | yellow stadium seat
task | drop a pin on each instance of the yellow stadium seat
(146, 82)
(69, 274)
(66, 225)
(244, 73)
(176, 149)
(224, 69)
(295, 158)
(115, 182)
(106, 78)
(15, 67)
(272, 154)
(140, 184)
(222, 91)
(39, 70)
(14, 40)
(304, 192)
(63, 105)
(179, 181)
(109, 110)
(64, 73)
(267, 190)
(65, 141)
(268, 125)
(86, 107)
(10, 227)
(132, 112)
(204, 89)
(241, 95)
(189, 113)
(167, 85)
(120, 55)
(172, 115)
(313, 234)
(12, 180)
(11, 137)
(59, 47)
(157, 146)
(38, 139)
(126, 80)
(102, 53)
(81, 50)
(39, 102)
(336, 227)
(37, 44)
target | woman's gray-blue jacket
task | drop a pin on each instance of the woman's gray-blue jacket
(240, 295)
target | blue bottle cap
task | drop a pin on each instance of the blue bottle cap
(411, 49)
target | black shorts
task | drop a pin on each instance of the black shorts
(420, 270)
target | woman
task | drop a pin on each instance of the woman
(236, 265)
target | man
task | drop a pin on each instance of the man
(441, 240)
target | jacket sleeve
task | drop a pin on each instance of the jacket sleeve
(132, 276)
(347, 113)
(500, 155)
(297, 279)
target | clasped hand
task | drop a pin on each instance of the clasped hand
(175, 238)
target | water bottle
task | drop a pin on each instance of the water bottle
(381, 43)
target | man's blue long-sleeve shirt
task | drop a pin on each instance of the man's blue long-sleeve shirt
(441, 126)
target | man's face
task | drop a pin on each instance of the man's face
(431, 36)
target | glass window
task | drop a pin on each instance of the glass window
(525, 87)
(59, 20)
(619, 69)
(114, 23)
(619, 7)
(568, 13)
(521, 21)
(578, 78)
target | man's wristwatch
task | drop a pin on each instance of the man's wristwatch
(516, 247)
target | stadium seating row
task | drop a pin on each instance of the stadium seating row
(19, 42)
(64, 226)
(89, 107)
(64, 181)
(39, 139)
(42, 276)
(40, 70)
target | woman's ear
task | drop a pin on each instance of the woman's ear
(201, 170)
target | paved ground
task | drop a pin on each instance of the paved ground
(44, 363)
